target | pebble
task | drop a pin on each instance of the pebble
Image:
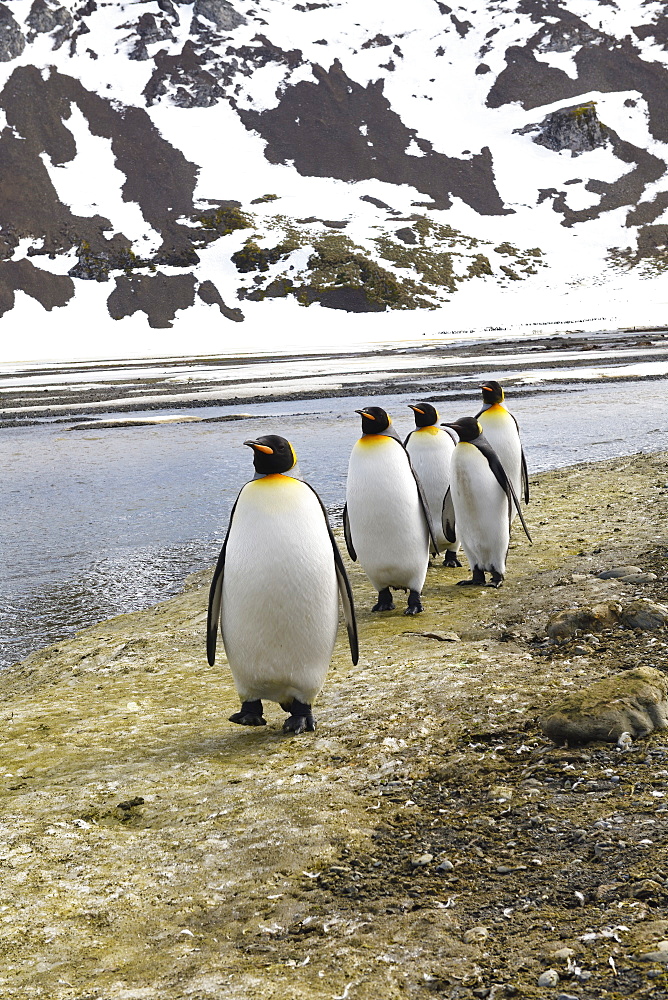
(501, 793)
(563, 954)
(566, 996)
(422, 861)
(475, 935)
(654, 956)
(549, 978)
(445, 866)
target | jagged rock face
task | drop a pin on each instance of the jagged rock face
(12, 42)
(222, 13)
(576, 128)
(422, 124)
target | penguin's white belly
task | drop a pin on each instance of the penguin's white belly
(280, 594)
(501, 431)
(481, 509)
(431, 450)
(387, 523)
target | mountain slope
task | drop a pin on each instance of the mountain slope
(197, 165)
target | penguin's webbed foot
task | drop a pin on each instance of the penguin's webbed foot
(414, 603)
(250, 714)
(385, 602)
(497, 579)
(451, 560)
(477, 580)
(300, 719)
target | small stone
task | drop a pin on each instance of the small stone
(618, 571)
(503, 870)
(422, 861)
(445, 866)
(501, 793)
(639, 578)
(654, 956)
(475, 935)
(582, 650)
(563, 954)
(566, 996)
(549, 978)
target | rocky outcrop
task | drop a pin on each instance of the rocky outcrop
(575, 128)
(219, 12)
(12, 40)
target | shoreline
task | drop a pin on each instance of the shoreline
(610, 357)
(248, 857)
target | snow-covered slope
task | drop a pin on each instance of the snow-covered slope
(222, 175)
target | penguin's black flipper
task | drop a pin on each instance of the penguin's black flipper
(483, 445)
(407, 439)
(347, 534)
(425, 507)
(525, 478)
(448, 517)
(343, 582)
(216, 597)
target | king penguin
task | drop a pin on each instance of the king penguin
(275, 591)
(502, 431)
(386, 518)
(478, 504)
(430, 449)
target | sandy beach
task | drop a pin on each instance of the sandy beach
(427, 840)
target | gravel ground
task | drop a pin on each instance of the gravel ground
(426, 841)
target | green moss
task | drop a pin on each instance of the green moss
(507, 249)
(264, 199)
(338, 263)
(224, 220)
(253, 257)
(479, 266)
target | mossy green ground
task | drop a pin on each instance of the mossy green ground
(262, 866)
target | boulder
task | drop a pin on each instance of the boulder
(619, 572)
(644, 614)
(635, 702)
(565, 624)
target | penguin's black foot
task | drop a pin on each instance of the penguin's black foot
(300, 719)
(414, 604)
(385, 602)
(497, 580)
(477, 580)
(451, 560)
(250, 714)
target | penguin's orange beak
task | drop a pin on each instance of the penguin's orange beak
(363, 413)
(486, 388)
(416, 408)
(260, 447)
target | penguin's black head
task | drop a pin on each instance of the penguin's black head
(272, 454)
(374, 419)
(492, 393)
(425, 414)
(466, 428)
